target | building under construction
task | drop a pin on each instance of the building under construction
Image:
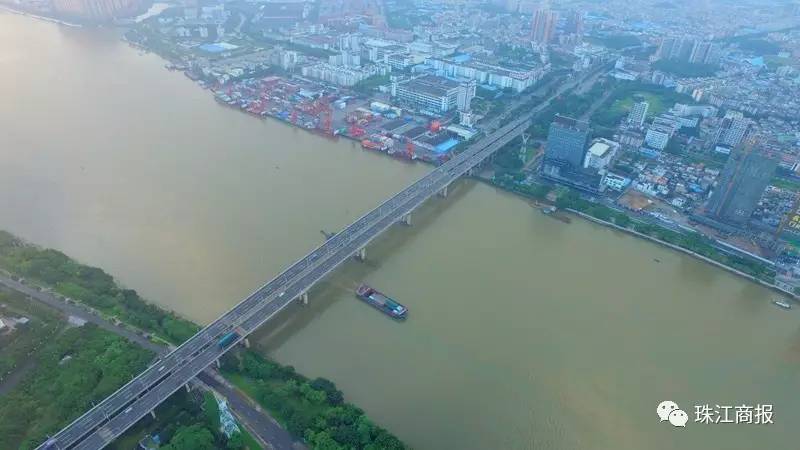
(742, 182)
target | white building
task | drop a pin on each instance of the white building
(435, 94)
(346, 59)
(349, 41)
(420, 47)
(214, 13)
(734, 128)
(517, 78)
(657, 137)
(616, 182)
(638, 114)
(288, 59)
(600, 154)
(684, 110)
(342, 76)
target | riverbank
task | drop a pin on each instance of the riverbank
(686, 251)
(22, 12)
(623, 222)
(75, 283)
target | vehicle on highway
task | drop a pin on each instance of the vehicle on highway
(226, 339)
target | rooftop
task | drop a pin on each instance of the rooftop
(599, 149)
(431, 84)
(569, 122)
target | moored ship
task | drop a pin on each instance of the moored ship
(381, 302)
(782, 304)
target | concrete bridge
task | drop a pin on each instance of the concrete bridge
(110, 418)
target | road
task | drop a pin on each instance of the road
(257, 421)
(266, 429)
(110, 418)
(78, 311)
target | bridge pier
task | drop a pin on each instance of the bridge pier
(188, 387)
(406, 220)
(246, 342)
(443, 192)
(153, 413)
(304, 298)
(362, 254)
(217, 363)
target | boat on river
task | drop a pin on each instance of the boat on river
(782, 304)
(381, 302)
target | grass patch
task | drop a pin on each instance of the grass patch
(82, 366)
(621, 107)
(17, 347)
(625, 94)
(784, 183)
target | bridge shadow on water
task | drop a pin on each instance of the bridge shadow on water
(341, 284)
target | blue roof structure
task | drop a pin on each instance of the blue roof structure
(445, 146)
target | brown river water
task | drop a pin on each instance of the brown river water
(524, 332)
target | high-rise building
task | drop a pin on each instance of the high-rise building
(665, 48)
(734, 129)
(567, 141)
(543, 27)
(743, 179)
(703, 53)
(638, 114)
(574, 24)
(98, 10)
(688, 50)
(683, 51)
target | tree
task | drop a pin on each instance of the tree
(211, 409)
(622, 220)
(335, 396)
(313, 396)
(297, 423)
(323, 441)
(685, 69)
(194, 437)
(568, 199)
(235, 442)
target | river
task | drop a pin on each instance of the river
(524, 332)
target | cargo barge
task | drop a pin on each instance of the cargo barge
(381, 302)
